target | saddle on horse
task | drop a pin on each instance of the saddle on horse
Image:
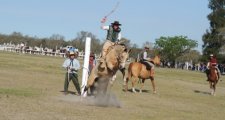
(148, 64)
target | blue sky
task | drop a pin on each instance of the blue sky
(142, 20)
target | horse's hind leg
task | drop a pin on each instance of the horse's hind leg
(142, 84)
(153, 85)
(126, 79)
(133, 83)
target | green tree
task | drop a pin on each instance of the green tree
(79, 42)
(193, 56)
(213, 39)
(173, 47)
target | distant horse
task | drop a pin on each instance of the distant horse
(115, 60)
(213, 79)
(137, 70)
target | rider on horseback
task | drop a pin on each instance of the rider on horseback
(113, 36)
(212, 62)
(145, 59)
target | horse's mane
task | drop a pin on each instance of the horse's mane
(117, 48)
(113, 54)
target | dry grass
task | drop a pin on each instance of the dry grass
(30, 90)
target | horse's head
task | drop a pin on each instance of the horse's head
(117, 57)
(122, 55)
(156, 60)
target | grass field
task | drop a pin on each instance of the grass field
(30, 89)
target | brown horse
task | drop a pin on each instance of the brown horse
(115, 60)
(138, 70)
(213, 79)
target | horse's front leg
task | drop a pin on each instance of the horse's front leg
(211, 87)
(126, 83)
(153, 85)
(91, 78)
(123, 72)
(214, 88)
(112, 79)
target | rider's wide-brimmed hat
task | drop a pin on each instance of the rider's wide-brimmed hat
(211, 55)
(116, 23)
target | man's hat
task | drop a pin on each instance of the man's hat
(71, 53)
(146, 47)
(116, 23)
(211, 55)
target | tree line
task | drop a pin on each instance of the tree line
(175, 48)
(168, 48)
(56, 41)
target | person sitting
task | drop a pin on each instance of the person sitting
(144, 59)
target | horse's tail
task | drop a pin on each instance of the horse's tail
(129, 75)
(129, 72)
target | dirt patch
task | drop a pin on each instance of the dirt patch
(108, 100)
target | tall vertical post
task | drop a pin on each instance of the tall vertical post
(86, 65)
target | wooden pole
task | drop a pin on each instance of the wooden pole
(86, 65)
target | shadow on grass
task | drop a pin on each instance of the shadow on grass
(69, 92)
(137, 90)
(202, 92)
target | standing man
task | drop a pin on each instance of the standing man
(72, 66)
(113, 36)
